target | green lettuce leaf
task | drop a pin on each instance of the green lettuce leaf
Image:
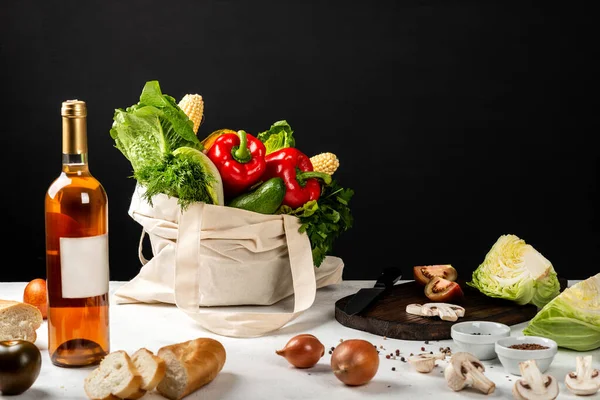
(153, 127)
(157, 138)
(279, 136)
(572, 319)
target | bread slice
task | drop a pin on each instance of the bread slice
(115, 378)
(190, 365)
(19, 321)
(151, 367)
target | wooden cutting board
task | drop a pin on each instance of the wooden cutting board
(387, 317)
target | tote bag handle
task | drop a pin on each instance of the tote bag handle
(237, 323)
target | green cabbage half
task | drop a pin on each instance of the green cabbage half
(572, 319)
(514, 270)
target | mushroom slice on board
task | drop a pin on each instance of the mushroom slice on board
(425, 362)
(585, 381)
(446, 311)
(534, 385)
(465, 370)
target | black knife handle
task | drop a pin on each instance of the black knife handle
(388, 277)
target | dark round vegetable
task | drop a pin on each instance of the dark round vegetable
(20, 365)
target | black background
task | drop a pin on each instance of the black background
(455, 121)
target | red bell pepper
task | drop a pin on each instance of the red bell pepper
(296, 170)
(240, 159)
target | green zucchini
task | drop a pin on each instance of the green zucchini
(265, 199)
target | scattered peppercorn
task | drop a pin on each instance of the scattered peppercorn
(427, 342)
(330, 352)
(387, 356)
(397, 352)
(402, 359)
(393, 368)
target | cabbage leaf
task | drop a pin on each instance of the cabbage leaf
(572, 319)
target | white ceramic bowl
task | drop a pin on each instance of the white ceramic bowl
(510, 358)
(479, 337)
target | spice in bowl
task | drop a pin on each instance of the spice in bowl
(528, 346)
(516, 349)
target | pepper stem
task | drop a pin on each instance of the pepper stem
(241, 153)
(301, 177)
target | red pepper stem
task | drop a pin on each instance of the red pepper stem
(241, 153)
(301, 177)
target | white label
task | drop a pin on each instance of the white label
(84, 266)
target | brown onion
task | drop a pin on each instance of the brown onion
(303, 351)
(355, 362)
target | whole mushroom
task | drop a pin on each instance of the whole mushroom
(585, 381)
(465, 370)
(534, 385)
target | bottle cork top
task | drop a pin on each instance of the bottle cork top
(73, 108)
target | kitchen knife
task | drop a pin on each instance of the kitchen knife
(365, 297)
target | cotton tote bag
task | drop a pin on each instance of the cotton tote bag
(208, 255)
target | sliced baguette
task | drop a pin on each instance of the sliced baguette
(115, 378)
(151, 368)
(190, 365)
(19, 321)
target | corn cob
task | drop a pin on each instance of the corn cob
(193, 106)
(325, 162)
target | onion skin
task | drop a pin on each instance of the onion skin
(302, 351)
(355, 362)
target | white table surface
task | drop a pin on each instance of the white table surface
(253, 371)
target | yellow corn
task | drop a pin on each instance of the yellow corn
(325, 162)
(193, 106)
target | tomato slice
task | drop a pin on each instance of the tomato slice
(443, 290)
(423, 274)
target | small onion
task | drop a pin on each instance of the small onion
(355, 362)
(303, 351)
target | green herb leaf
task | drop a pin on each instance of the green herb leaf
(325, 219)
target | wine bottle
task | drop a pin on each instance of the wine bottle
(77, 264)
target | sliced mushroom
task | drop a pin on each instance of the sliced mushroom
(585, 380)
(534, 385)
(446, 311)
(465, 370)
(425, 362)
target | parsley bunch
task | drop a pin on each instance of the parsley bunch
(325, 219)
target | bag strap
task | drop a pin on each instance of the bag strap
(143, 259)
(237, 323)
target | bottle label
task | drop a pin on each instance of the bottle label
(84, 266)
